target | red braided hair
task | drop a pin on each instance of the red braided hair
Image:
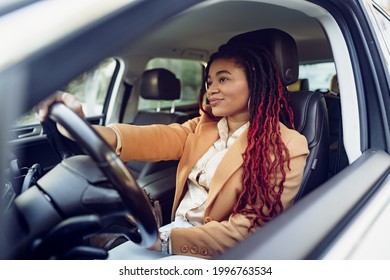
(266, 157)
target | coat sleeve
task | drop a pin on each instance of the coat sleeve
(152, 142)
(215, 237)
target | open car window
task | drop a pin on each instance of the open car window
(91, 88)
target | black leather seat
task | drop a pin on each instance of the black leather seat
(310, 112)
(161, 85)
(338, 157)
(311, 119)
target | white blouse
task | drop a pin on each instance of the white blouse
(191, 209)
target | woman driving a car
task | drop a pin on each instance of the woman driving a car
(239, 165)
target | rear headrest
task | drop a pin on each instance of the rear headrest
(300, 84)
(281, 45)
(334, 85)
(160, 84)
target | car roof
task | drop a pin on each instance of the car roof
(196, 33)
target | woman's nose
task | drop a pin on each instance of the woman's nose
(212, 88)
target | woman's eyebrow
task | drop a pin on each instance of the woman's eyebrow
(220, 72)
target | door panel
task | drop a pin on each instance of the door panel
(26, 152)
(29, 145)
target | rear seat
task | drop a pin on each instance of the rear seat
(157, 84)
(162, 85)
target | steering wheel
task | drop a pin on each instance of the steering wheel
(62, 146)
(135, 199)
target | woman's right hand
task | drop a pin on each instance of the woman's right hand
(42, 109)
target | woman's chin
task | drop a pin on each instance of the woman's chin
(217, 113)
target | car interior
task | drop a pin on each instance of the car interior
(162, 85)
(297, 33)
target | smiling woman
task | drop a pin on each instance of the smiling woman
(224, 81)
(241, 157)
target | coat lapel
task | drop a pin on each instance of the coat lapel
(232, 161)
(196, 146)
(199, 143)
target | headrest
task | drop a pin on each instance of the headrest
(334, 84)
(160, 84)
(300, 84)
(281, 45)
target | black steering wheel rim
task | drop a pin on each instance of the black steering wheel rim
(137, 202)
(60, 144)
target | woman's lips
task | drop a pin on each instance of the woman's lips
(214, 102)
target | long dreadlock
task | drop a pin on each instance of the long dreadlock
(266, 157)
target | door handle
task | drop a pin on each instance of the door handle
(34, 131)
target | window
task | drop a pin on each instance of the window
(319, 75)
(382, 18)
(90, 88)
(190, 74)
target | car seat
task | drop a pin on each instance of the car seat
(161, 85)
(334, 85)
(338, 157)
(309, 108)
(300, 84)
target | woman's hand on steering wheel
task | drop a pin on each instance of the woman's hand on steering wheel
(68, 100)
(100, 151)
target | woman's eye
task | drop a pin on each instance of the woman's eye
(223, 80)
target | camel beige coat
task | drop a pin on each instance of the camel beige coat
(188, 142)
